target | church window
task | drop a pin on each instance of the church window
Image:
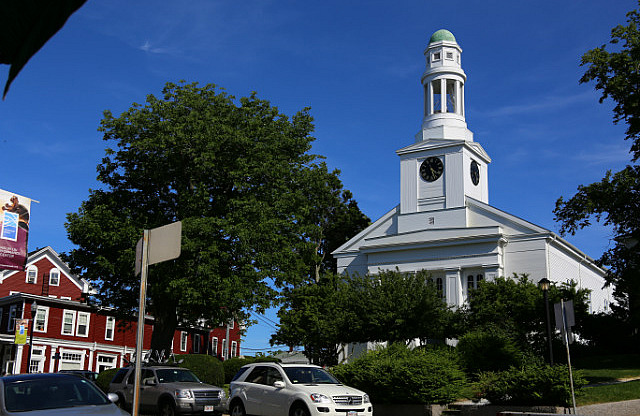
(450, 56)
(437, 96)
(451, 96)
(436, 56)
(440, 286)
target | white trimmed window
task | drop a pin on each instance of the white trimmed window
(68, 322)
(110, 328)
(196, 343)
(183, 341)
(214, 346)
(54, 277)
(234, 349)
(232, 324)
(42, 319)
(11, 325)
(82, 328)
(32, 275)
(105, 362)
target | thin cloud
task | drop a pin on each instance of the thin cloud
(552, 102)
(604, 155)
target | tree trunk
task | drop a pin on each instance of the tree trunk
(164, 327)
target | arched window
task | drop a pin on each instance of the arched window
(54, 277)
(32, 274)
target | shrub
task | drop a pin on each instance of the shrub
(399, 375)
(104, 378)
(488, 350)
(232, 365)
(530, 385)
(208, 369)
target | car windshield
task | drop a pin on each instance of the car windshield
(309, 375)
(46, 393)
(176, 375)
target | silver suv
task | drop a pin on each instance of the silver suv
(168, 391)
(273, 389)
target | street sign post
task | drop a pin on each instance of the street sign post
(565, 319)
(156, 245)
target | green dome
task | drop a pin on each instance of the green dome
(442, 34)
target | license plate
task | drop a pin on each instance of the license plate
(352, 413)
(208, 408)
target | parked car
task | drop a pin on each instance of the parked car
(54, 395)
(89, 375)
(274, 389)
(168, 391)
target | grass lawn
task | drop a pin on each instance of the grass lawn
(605, 369)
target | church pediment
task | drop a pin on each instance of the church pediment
(435, 144)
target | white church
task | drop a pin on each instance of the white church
(444, 223)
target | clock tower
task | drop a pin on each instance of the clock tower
(444, 165)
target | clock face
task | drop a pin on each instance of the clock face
(475, 172)
(431, 169)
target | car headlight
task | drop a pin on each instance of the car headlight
(319, 398)
(222, 394)
(183, 394)
(365, 398)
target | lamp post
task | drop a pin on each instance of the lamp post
(544, 285)
(34, 311)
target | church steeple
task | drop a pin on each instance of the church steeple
(443, 85)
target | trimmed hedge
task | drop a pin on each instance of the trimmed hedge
(208, 368)
(402, 376)
(104, 378)
(529, 386)
(488, 350)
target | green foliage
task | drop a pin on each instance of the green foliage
(256, 207)
(399, 375)
(516, 306)
(104, 378)
(488, 350)
(615, 201)
(530, 385)
(232, 365)
(208, 368)
(338, 309)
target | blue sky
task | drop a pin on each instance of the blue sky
(356, 63)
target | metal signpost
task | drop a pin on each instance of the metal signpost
(565, 319)
(155, 246)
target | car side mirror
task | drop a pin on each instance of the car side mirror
(149, 381)
(113, 397)
(279, 384)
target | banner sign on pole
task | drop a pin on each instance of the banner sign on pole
(22, 329)
(14, 230)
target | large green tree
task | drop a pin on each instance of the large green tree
(614, 200)
(238, 175)
(339, 309)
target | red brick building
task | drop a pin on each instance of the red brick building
(70, 334)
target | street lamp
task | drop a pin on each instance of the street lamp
(34, 311)
(544, 285)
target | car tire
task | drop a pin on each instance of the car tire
(166, 408)
(237, 409)
(299, 410)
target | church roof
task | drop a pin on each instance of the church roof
(442, 34)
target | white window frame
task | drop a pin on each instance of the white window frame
(39, 309)
(436, 56)
(73, 322)
(184, 337)
(231, 324)
(30, 269)
(88, 315)
(53, 271)
(110, 364)
(13, 311)
(196, 343)
(224, 349)
(110, 325)
(37, 359)
(214, 346)
(234, 349)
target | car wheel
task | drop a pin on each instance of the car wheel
(237, 409)
(299, 410)
(166, 408)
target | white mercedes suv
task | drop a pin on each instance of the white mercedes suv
(274, 389)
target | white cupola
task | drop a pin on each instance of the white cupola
(443, 85)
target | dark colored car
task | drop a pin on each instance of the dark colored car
(89, 375)
(54, 395)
